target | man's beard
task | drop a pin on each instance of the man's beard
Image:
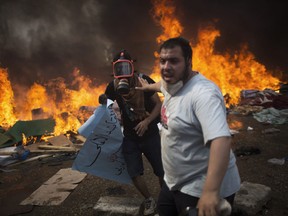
(185, 73)
(172, 89)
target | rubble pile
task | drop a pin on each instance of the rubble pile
(267, 106)
(34, 140)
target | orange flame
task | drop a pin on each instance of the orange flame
(56, 99)
(60, 101)
(164, 15)
(235, 124)
(7, 116)
(232, 73)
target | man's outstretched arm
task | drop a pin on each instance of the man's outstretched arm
(145, 86)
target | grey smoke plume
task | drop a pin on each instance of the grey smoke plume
(40, 40)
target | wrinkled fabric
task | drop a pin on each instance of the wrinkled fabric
(266, 98)
(272, 116)
(172, 89)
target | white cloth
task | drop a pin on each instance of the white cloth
(272, 116)
(191, 119)
(87, 128)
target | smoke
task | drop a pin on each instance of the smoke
(44, 39)
(262, 25)
(41, 40)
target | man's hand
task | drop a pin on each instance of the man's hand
(207, 204)
(142, 127)
(223, 208)
(145, 86)
(218, 162)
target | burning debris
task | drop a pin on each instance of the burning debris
(44, 118)
(35, 128)
(63, 101)
(55, 99)
(52, 112)
(57, 107)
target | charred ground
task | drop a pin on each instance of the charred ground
(254, 167)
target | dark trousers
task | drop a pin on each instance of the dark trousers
(172, 203)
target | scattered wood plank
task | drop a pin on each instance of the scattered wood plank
(31, 159)
(56, 189)
(60, 140)
(62, 148)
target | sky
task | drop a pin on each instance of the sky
(46, 39)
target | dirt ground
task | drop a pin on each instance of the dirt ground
(253, 147)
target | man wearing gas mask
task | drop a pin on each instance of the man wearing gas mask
(140, 113)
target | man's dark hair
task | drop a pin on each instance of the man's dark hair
(102, 99)
(179, 41)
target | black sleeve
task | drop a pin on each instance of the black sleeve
(110, 92)
(149, 80)
(149, 104)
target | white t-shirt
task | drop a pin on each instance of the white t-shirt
(191, 119)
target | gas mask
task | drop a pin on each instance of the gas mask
(123, 70)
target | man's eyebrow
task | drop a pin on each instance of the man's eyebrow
(168, 58)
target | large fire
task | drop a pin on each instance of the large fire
(54, 100)
(61, 101)
(232, 73)
(7, 116)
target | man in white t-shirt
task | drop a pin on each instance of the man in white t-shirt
(199, 165)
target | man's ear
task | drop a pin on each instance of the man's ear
(189, 62)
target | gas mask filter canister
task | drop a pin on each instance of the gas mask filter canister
(123, 87)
